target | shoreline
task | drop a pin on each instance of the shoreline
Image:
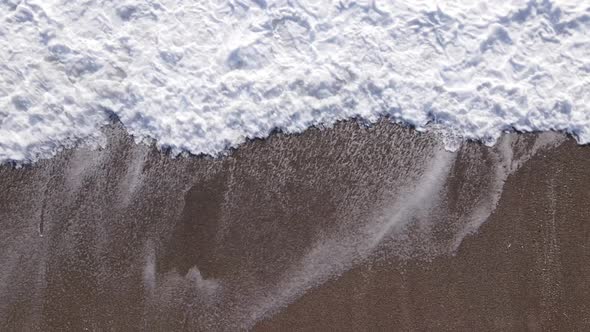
(439, 134)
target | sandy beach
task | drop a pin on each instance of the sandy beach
(344, 228)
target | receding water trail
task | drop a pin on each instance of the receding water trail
(505, 163)
(333, 254)
(420, 197)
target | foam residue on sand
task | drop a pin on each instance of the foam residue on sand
(203, 76)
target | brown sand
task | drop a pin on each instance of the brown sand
(349, 228)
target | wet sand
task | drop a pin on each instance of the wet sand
(348, 228)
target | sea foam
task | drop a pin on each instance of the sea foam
(203, 76)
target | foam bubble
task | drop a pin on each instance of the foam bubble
(204, 76)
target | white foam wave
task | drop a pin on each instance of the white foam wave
(204, 75)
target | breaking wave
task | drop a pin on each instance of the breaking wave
(203, 76)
